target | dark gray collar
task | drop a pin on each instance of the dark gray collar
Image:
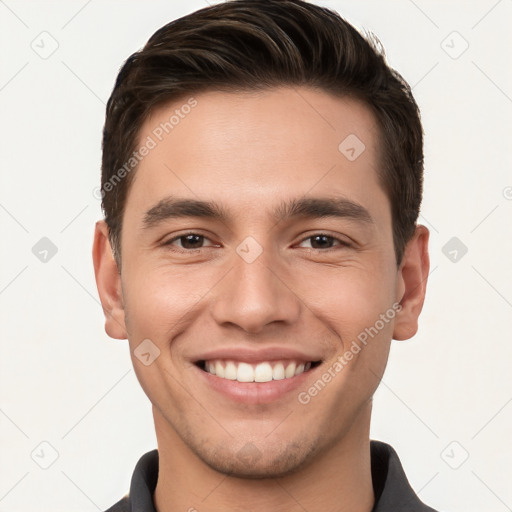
(390, 485)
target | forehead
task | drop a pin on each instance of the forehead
(250, 147)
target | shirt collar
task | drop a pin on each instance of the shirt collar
(392, 490)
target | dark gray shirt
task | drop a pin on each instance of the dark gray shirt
(390, 485)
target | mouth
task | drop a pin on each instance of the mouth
(264, 371)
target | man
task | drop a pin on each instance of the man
(261, 178)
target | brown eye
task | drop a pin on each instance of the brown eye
(191, 241)
(187, 242)
(322, 241)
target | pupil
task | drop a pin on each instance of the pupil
(186, 241)
(324, 237)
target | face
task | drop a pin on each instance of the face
(250, 300)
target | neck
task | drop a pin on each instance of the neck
(338, 479)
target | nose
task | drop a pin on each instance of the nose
(254, 295)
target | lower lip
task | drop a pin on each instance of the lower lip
(256, 392)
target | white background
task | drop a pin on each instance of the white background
(65, 382)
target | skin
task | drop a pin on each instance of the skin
(249, 151)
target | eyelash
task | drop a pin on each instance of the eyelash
(342, 243)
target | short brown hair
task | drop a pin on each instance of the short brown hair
(256, 44)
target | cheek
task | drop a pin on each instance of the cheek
(358, 312)
(356, 305)
(157, 300)
(350, 299)
(159, 304)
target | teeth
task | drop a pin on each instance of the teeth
(230, 371)
(245, 373)
(299, 369)
(290, 371)
(261, 372)
(219, 369)
(278, 371)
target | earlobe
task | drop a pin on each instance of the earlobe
(412, 284)
(108, 282)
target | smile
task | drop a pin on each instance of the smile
(264, 371)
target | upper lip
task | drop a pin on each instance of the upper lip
(248, 355)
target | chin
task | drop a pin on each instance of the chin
(252, 463)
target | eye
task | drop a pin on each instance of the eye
(188, 241)
(325, 242)
(191, 241)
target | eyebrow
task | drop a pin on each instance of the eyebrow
(310, 207)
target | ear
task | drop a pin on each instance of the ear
(108, 281)
(412, 284)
